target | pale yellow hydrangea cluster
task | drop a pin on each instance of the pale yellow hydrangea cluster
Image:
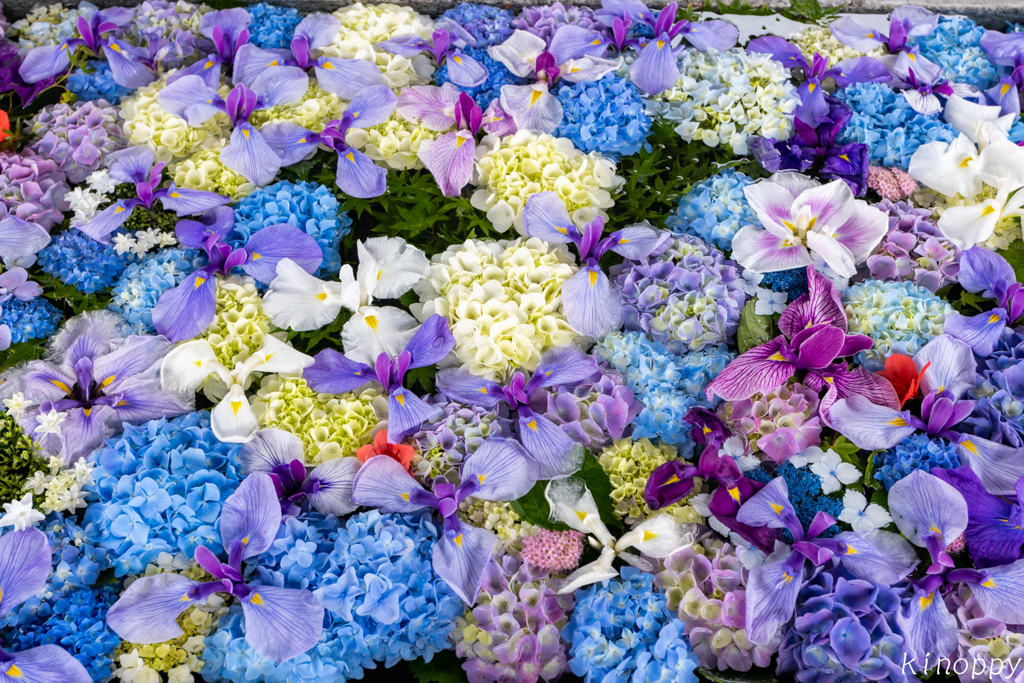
(503, 300)
(330, 426)
(316, 108)
(205, 171)
(1007, 229)
(240, 325)
(47, 25)
(170, 138)
(395, 142)
(821, 40)
(628, 465)
(61, 490)
(178, 658)
(511, 169)
(497, 517)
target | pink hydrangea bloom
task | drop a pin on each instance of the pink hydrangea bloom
(553, 551)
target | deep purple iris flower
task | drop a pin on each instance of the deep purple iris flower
(815, 149)
(554, 452)
(814, 108)
(129, 65)
(593, 304)
(136, 165)
(280, 623)
(186, 310)
(463, 70)
(357, 175)
(813, 336)
(228, 29)
(673, 481)
(10, 78)
(499, 470)
(1006, 49)
(983, 270)
(995, 527)
(334, 373)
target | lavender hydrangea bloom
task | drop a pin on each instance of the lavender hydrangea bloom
(455, 435)
(32, 188)
(78, 137)
(544, 20)
(594, 412)
(914, 249)
(999, 412)
(488, 25)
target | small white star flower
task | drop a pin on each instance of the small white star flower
(833, 472)
(860, 514)
(20, 514)
(17, 405)
(124, 243)
(100, 181)
(49, 423)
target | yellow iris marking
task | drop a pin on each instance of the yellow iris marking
(623, 241)
(371, 322)
(273, 63)
(535, 96)
(734, 493)
(328, 65)
(564, 231)
(459, 141)
(481, 477)
(648, 535)
(200, 281)
(926, 600)
(351, 157)
(245, 541)
(483, 391)
(245, 133)
(404, 496)
(458, 60)
(994, 318)
(830, 380)
(671, 480)
(777, 508)
(185, 598)
(532, 424)
(322, 296)
(199, 363)
(107, 381)
(661, 44)
(302, 140)
(912, 57)
(965, 163)
(208, 65)
(969, 446)
(175, 195)
(236, 406)
(593, 278)
(707, 430)
(988, 210)
(400, 398)
(811, 87)
(776, 356)
(787, 576)
(898, 422)
(119, 209)
(597, 41)
(14, 671)
(60, 385)
(256, 599)
(256, 256)
(1005, 89)
(458, 540)
(87, 411)
(989, 584)
(582, 515)
(115, 47)
(844, 157)
(850, 550)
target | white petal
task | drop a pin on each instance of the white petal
(951, 169)
(598, 570)
(298, 301)
(395, 265)
(836, 255)
(847, 473)
(572, 503)
(373, 331)
(659, 536)
(966, 226)
(519, 53)
(232, 419)
(276, 356)
(1002, 164)
(188, 365)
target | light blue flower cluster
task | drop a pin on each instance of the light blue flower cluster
(916, 452)
(28, 320)
(160, 487)
(497, 76)
(623, 632)
(141, 285)
(373, 573)
(604, 116)
(804, 493)
(307, 206)
(714, 209)
(899, 316)
(76, 259)
(99, 84)
(272, 26)
(489, 25)
(888, 125)
(955, 45)
(667, 384)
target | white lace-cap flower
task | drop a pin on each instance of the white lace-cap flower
(833, 472)
(860, 514)
(20, 514)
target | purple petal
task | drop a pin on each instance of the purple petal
(136, 356)
(850, 641)
(431, 343)
(770, 507)
(563, 365)
(880, 556)
(465, 71)
(548, 446)
(185, 202)
(249, 155)
(404, 46)
(574, 42)
(924, 506)
(335, 478)
(856, 35)
(502, 468)
(430, 105)
(207, 70)
(981, 332)
(185, 311)
(859, 70)
(383, 483)
(45, 62)
(771, 599)
(275, 242)
(759, 370)
(868, 425)
(862, 230)
(19, 238)
(269, 449)
(218, 222)
(714, 34)
(333, 373)
(131, 165)
(291, 142)
(251, 515)
(108, 220)
(5, 337)
(992, 533)
(372, 106)
(781, 50)
(450, 160)
(407, 412)
(928, 626)
(1002, 596)
(998, 466)
(24, 566)
(655, 70)
(459, 384)
(460, 561)
(189, 98)
(347, 77)
(147, 612)
(319, 29)
(859, 382)
(281, 85)
(231, 21)
(546, 217)
(951, 366)
(46, 664)
(818, 349)
(359, 177)
(281, 623)
(1004, 48)
(593, 306)
(251, 61)
(638, 242)
(127, 68)
(532, 107)
(983, 270)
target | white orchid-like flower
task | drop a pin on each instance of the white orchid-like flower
(573, 504)
(388, 268)
(232, 420)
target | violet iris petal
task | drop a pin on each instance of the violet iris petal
(994, 535)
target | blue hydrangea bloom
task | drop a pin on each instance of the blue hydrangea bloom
(76, 259)
(804, 493)
(489, 25)
(98, 85)
(337, 560)
(793, 282)
(141, 285)
(307, 206)
(497, 76)
(888, 125)
(160, 487)
(667, 384)
(714, 209)
(272, 26)
(28, 320)
(623, 632)
(604, 116)
(916, 452)
(955, 45)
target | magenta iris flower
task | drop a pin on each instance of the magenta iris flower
(228, 30)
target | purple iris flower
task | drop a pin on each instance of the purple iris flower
(907, 21)
(184, 311)
(673, 481)
(814, 109)
(280, 623)
(229, 31)
(334, 373)
(655, 69)
(499, 470)
(932, 514)
(15, 283)
(136, 165)
(357, 175)
(92, 382)
(813, 336)
(343, 77)
(327, 488)
(128, 64)
(592, 303)
(24, 568)
(983, 270)
(773, 587)
(463, 70)
(995, 527)
(554, 452)
(922, 95)
(448, 157)
(248, 153)
(1006, 49)
(815, 149)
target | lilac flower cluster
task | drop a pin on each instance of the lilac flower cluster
(78, 136)
(32, 188)
(914, 249)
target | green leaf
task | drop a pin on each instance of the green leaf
(754, 329)
(752, 676)
(869, 474)
(444, 667)
(19, 353)
(534, 509)
(69, 296)
(810, 11)
(1014, 255)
